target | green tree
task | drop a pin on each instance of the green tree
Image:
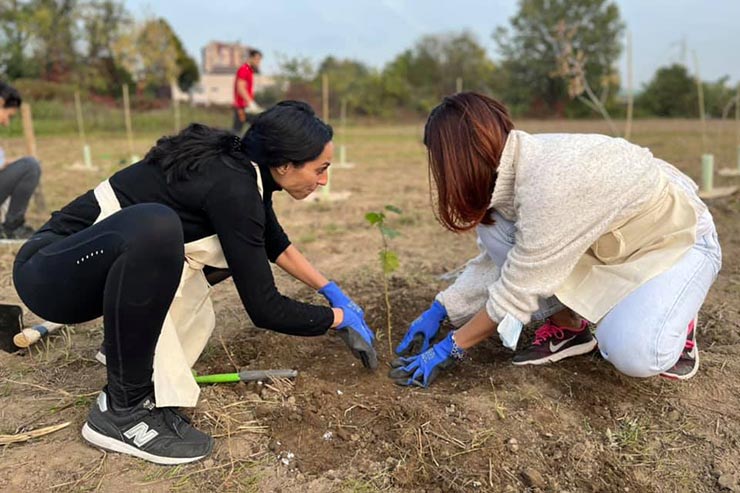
(15, 35)
(104, 23)
(55, 35)
(670, 93)
(530, 51)
(187, 68)
(429, 71)
(149, 54)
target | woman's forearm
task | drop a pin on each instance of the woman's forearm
(477, 329)
(294, 263)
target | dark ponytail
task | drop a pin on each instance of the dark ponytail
(182, 154)
(289, 132)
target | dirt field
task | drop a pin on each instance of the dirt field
(486, 426)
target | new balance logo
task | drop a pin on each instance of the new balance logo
(141, 434)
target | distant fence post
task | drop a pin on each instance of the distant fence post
(175, 105)
(325, 97)
(127, 118)
(459, 84)
(39, 200)
(86, 155)
(630, 93)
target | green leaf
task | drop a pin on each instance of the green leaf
(389, 232)
(389, 261)
(374, 217)
(393, 208)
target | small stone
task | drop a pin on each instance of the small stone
(208, 463)
(513, 445)
(557, 455)
(291, 400)
(274, 446)
(533, 478)
(728, 482)
(354, 437)
(674, 415)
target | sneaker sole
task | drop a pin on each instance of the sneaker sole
(672, 376)
(565, 353)
(107, 443)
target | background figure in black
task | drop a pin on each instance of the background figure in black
(18, 177)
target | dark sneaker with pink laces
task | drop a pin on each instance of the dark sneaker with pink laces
(553, 343)
(688, 364)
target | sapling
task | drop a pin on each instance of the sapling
(388, 259)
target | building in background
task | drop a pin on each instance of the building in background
(220, 61)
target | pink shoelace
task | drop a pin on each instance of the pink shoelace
(690, 341)
(549, 329)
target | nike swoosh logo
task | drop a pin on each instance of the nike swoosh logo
(556, 347)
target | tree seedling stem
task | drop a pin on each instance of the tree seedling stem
(388, 259)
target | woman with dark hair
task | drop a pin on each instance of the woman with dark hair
(143, 249)
(572, 229)
(19, 177)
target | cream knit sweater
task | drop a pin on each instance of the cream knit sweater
(563, 191)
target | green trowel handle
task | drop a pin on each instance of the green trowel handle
(246, 376)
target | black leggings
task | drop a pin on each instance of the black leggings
(125, 268)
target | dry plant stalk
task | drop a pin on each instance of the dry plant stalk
(24, 437)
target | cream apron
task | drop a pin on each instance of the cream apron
(190, 320)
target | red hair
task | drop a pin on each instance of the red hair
(465, 136)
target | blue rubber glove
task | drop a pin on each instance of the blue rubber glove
(359, 338)
(422, 330)
(337, 299)
(422, 369)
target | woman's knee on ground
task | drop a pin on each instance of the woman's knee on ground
(636, 356)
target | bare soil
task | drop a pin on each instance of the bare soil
(574, 426)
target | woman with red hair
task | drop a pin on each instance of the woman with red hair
(572, 228)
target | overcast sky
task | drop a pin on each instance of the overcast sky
(375, 31)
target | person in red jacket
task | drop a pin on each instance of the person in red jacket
(244, 103)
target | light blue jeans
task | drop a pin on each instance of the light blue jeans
(644, 334)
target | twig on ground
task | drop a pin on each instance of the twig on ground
(24, 437)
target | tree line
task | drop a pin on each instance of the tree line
(555, 58)
(49, 48)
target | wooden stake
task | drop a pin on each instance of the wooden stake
(175, 106)
(86, 155)
(28, 133)
(343, 134)
(702, 116)
(325, 97)
(39, 201)
(736, 170)
(127, 118)
(630, 94)
(459, 84)
(80, 122)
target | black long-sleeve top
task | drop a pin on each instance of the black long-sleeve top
(221, 197)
